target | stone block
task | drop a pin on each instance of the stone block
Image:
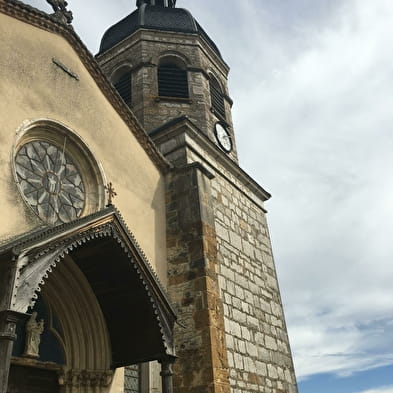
(228, 274)
(234, 329)
(265, 306)
(240, 316)
(246, 334)
(276, 309)
(235, 240)
(272, 371)
(222, 282)
(259, 339)
(245, 307)
(271, 343)
(288, 376)
(280, 373)
(230, 341)
(249, 297)
(231, 362)
(231, 285)
(222, 231)
(261, 368)
(227, 299)
(252, 349)
(238, 361)
(252, 322)
(239, 292)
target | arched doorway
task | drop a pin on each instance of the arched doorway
(74, 350)
(101, 305)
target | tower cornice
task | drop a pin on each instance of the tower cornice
(188, 135)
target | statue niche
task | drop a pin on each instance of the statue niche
(34, 331)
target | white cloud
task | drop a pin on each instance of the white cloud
(386, 389)
(312, 92)
(316, 127)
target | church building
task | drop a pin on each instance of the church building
(134, 251)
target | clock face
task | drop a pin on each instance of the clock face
(50, 182)
(223, 137)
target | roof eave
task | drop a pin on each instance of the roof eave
(40, 19)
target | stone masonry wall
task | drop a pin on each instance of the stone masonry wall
(258, 349)
(202, 365)
(259, 354)
(142, 52)
(256, 340)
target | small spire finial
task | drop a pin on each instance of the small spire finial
(111, 193)
(161, 3)
(61, 13)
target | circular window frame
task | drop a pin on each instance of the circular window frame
(77, 150)
(226, 129)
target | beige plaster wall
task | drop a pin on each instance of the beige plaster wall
(33, 87)
(117, 385)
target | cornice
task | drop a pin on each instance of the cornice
(140, 35)
(183, 125)
(40, 19)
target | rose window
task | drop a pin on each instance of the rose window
(50, 182)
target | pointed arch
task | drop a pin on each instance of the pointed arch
(80, 313)
(134, 306)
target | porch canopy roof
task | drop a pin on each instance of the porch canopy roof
(138, 315)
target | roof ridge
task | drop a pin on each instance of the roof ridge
(40, 19)
(145, 17)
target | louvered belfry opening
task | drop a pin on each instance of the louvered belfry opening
(217, 98)
(123, 87)
(172, 81)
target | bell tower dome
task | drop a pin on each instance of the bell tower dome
(166, 68)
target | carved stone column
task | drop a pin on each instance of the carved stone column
(85, 381)
(8, 321)
(166, 374)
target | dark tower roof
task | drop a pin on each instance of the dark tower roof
(161, 16)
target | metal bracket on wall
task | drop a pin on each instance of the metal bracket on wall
(65, 69)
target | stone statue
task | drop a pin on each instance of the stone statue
(34, 330)
(61, 12)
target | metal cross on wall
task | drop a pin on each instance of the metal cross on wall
(61, 13)
(111, 193)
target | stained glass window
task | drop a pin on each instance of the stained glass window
(50, 182)
(132, 379)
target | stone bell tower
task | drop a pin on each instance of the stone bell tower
(165, 66)
(222, 280)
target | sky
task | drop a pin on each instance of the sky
(312, 84)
